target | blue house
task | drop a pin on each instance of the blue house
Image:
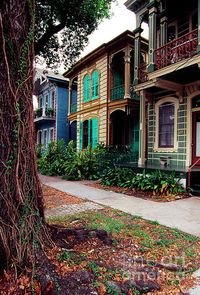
(50, 120)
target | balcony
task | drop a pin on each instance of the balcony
(73, 108)
(143, 73)
(117, 92)
(177, 50)
(43, 113)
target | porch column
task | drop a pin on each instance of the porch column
(152, 34)
(142, 129)
(137, 48)
(163, 30)
(70, 97)
(198, 48)
(127, 62)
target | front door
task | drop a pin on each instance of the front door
(196, 138)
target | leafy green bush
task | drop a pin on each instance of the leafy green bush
(81, 165)
(101, 161)
(158, 182)
(53, 159)
(117, 176)
(109, 157)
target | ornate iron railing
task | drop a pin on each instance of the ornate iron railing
(177, 50)
(143, 73)
(117, 92)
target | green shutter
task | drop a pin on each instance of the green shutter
(95, 84)
(89, 131)
(86, 88)
(81, 136)
(95, 132)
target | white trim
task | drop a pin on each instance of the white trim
(50, 129)
(174, 101)
(189, 127)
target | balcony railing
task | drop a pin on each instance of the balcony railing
(177, 50)
(44, 113)
(73, 108)
(143, 73)
(117, 92)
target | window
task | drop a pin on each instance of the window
(51, 134)
(166, 125)
(45, 138)
(89, 133)
(85, 134)
(95, 84)
(39, 137)
(53, 99)
(40, 102)
(166, 111)
(86, 88)
(46, 101)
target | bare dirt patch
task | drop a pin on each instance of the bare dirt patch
(54, 198)
(138, 194)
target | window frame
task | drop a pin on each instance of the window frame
(50, 130)
(170, 100)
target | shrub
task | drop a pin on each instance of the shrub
(158, 182)
(117, 176)
(109, 157)
(81, 165)
(52, 160)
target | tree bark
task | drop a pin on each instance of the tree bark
(21, 202)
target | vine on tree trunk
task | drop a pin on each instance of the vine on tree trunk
(22, 226)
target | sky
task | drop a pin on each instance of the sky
(121, 19)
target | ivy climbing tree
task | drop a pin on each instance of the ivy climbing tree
(21, 203)
(22, 225)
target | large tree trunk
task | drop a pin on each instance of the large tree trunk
(21, 203)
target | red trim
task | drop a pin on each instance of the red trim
(176, 50)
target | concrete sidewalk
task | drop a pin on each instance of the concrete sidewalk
(182, 214)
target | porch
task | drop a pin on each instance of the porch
(180, 49)
(44, 114)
